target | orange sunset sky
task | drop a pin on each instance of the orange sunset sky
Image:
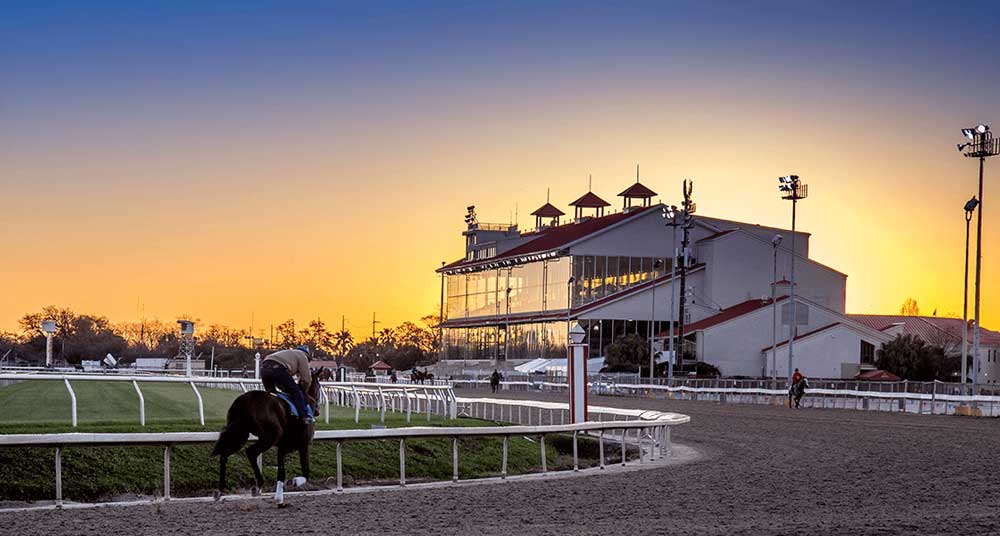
(229, 162)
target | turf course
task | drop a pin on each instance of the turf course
(103, 473)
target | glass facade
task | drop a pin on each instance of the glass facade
(530, 340)
(598, 276)
(539, 287)
(534, 287)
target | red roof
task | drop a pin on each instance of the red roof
(928, 328)
(638, 191)
(548, 211)
(590, 200)
(730, 313)
(878, 376)
(554, 237)
(381, 365)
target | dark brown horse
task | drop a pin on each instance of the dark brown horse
(270, 419)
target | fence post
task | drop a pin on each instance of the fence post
(402, 462)
(624, 436)
(166, 473)
(59, 500)
(408, 405)
(381, 403)
(576, 459)
(503, 467)
(542, 443)
(72, 400)
(454, 459)
(357, 404)
(427, 400)
(201, 404)
(340, 468)
(142, 404)
(601, 448)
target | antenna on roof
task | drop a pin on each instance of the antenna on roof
(590, 182)
(547, 191)
(637, 173)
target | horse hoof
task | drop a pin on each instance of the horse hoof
(255, 491)
(283, 505)
(217, 495)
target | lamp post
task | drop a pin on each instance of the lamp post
(792, 190)
(576, 372)
(981, 145)
(970, 207)
(775, 242)
(652, 321)
(670, 215)
(506, 332)
(569, 301)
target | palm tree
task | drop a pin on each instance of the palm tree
(343, 342)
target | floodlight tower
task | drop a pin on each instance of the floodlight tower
(792, 190)
(981, 145)
(970, 207)
(49, 327)
(187, 343)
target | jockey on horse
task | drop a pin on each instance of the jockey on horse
(278, 369)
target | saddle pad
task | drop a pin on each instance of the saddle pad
(291, 405)
(288, 400)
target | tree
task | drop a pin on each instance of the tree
(910, 358)
(342, 343)
(627, 354)
(910, 308)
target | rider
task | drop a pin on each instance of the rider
(797, 377)
(278, 368)
(495, 379)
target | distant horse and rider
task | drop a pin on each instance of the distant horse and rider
(421, 376)
(797, 389)
(285, 422)
(495, 379)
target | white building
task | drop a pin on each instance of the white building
(511, 295)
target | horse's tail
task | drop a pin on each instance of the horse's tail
(234, 435)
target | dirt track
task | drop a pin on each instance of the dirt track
(766, 471)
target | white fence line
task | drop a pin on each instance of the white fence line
(906, 402)
(652, 437)
(431, 399)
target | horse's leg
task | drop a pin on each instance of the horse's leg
(304, 460)
(222, 476)
(253, 451)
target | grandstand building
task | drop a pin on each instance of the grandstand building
(512, 295)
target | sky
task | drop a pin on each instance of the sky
(249, 162)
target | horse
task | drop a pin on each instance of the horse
(421, 376)
(270, 419)
(797, 391)
(495, 381)
(325, 375)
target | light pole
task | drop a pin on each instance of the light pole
(670, 215)
(981, 145)
(506, 333)
(775, 242)
(652, 321)
(970, 207)
(49, 327)
(792, 190)
(569, 304)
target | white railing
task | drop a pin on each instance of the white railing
(652, 437)
(429, 399)
(936, 403)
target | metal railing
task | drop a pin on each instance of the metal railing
(652, 437)
(937, 398)
(381, 397)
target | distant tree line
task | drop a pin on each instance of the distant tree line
(81, 337)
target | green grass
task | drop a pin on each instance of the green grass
(101, 473)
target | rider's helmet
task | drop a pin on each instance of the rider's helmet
(304, 348)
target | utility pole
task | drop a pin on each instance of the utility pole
(688, 209)
(792, 189)
(373, 326)
(441, 318)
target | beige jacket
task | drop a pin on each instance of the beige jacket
(296, 362)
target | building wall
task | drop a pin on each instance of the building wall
(989, 363)
(765, 233)
(741, 267)
(824, 354)
(735, 346)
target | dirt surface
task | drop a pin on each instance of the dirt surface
(765, 470)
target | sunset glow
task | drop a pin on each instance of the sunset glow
(238, 164)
